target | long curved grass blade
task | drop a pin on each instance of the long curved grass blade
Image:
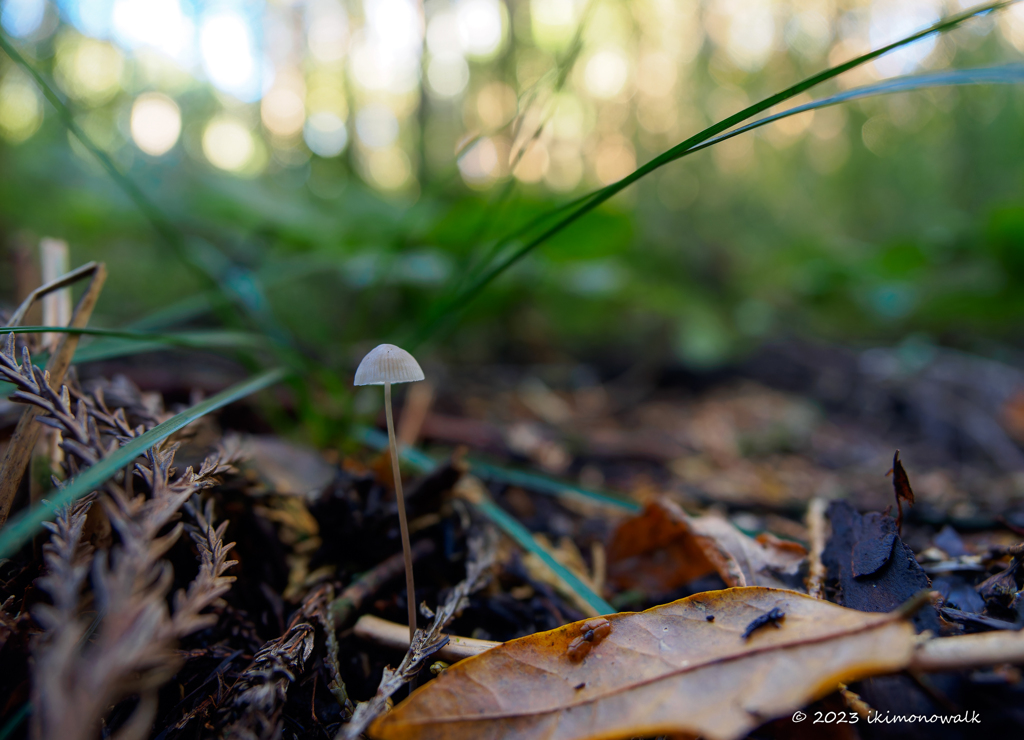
(452, 307)
(511, 526)
(197, 339)
(199, 304)
(20, 529)
(215, 341)
(378, 440)
(123, 342)
(1006, 74)
(552, 486)
(522, 478)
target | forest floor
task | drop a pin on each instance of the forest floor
(613, 475)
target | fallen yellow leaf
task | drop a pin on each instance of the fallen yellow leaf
(671, 669)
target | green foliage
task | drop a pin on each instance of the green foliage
(891, 215)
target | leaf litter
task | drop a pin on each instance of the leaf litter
(258, 639)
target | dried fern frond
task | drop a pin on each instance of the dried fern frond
(67, 561)
(211, 583)
(8, 621)
(253, 707)
(257, 698)
(75, 684)
(83, 426)
(132, 652)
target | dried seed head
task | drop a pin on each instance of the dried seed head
(388, 364)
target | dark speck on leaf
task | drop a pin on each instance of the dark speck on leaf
(710, 617)
(773, 617)
(579, 686)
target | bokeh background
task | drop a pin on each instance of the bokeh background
(362, 156)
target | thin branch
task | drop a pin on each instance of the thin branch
(816, 527)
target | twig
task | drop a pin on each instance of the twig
(336, 685)
(353, 597)
(414, 413)
(816, 527)
(394, 635)
(429, 641)
(856, 702)
(53, 257)
(969, 651)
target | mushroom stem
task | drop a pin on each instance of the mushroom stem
(410, 588)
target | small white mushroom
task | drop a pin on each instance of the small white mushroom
(387, 363)
(384, 365)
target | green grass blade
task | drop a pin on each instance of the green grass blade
(17, 717)
(510, 526)
(197, 339)
(1007, 74)
(180, 312)
(507, 523)
(378, 440)
(680, 150)
(21, 528)
(544, 484)
(214, 341)
(124, 342)
(424, 463)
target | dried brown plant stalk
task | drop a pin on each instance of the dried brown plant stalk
(16, 457)
(482, 552)
(817, 528)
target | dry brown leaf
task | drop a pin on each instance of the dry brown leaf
(664, 548)
(655, 551)
(670, 669)
(901, 485)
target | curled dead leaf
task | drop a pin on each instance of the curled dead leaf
(655, 551)
(663, 548)
(666, 670)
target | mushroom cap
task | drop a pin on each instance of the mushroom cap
(387, 363)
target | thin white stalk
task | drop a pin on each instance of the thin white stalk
(410, 589)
